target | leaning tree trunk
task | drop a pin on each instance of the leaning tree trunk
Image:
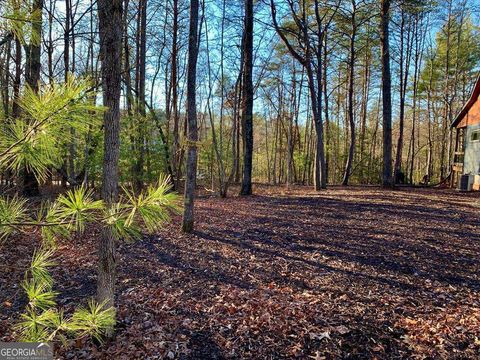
(247, 102)
(387, 93)
(110, 28)
(191, 178)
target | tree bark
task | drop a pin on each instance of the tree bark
(404, 73)
(328, 151)
(364, 108)
(351, 84)
(32, 79)
(17, 79)
(192, 134)
(32, 55)
(173, 107)
(247, 101)
(141, 75)
(110, 29)
(387, 93)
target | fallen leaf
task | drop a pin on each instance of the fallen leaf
(342, 329)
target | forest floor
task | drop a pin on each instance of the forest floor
(359, 273)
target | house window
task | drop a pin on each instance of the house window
(475, 135)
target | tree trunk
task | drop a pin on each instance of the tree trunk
(191, 178)
(32, 79)
(404, 72)
(140, 80)
(351, 118)
(387, 93)
(17, 79)
(174, 105)
(328, 151)
(364, 110)
(290, 137)
(33, 64)
(247, 101)
(110, 29)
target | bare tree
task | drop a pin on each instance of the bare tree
(311, 60)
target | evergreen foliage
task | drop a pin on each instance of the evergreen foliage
(32, 141)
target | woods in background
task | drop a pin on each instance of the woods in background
(286, 91)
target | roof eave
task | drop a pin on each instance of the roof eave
(473, 98)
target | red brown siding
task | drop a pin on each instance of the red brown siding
(472, 117)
